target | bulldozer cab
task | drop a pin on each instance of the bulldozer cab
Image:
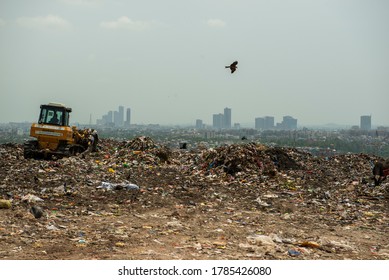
(54, 114)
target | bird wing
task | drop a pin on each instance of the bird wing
(234, 63)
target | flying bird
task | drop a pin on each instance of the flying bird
(233, 66)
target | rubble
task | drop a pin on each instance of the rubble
(139, 199)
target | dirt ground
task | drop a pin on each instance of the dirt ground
(193, 205)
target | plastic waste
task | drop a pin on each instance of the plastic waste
(110, 186)
(31, 198)
(293, 253)
(5, 204)
(131, 187)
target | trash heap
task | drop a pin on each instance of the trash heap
(119, 157)
(250, 157)
(142, 143)
(239, 201)
(146, 149)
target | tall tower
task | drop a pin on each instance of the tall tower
(128, 117)
(121, 116)
(227, 118)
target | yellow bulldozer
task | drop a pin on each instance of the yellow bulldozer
(54, 137)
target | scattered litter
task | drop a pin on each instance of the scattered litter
(119, 186)
(31, 198)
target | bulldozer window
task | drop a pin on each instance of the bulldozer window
(42, 118)
(56, 117)
(51, 116)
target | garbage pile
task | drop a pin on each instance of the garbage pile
(119, 157)
(141, 143)
(251, 157)
(144, 148)
(235, 201)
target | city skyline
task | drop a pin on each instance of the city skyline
(115, 118)
(123, 118)
(222, 121)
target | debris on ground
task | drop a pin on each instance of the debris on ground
(138, 199)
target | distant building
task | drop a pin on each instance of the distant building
(260, 123)
(366, 122)
(199, 124)
(227, 118)
(222, 120)
(128, 117)
(109, 117)
(218, 121)
(116, 119)
(121, 116)
(288, 123)
(269, 123)
(106, 119)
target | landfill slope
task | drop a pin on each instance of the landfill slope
(137, 199)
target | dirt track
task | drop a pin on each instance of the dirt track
(238, 202)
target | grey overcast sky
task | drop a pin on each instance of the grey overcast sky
(320, 61)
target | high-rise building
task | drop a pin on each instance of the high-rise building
(116, 119)
(128, 117)
(269, 123)
(108, 118)
(366, 122)
(218, 121)
(199, 124)
(260, 123)
(227, 118)
(121, 116)
(288, 123)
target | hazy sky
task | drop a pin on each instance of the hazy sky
(322, 61)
